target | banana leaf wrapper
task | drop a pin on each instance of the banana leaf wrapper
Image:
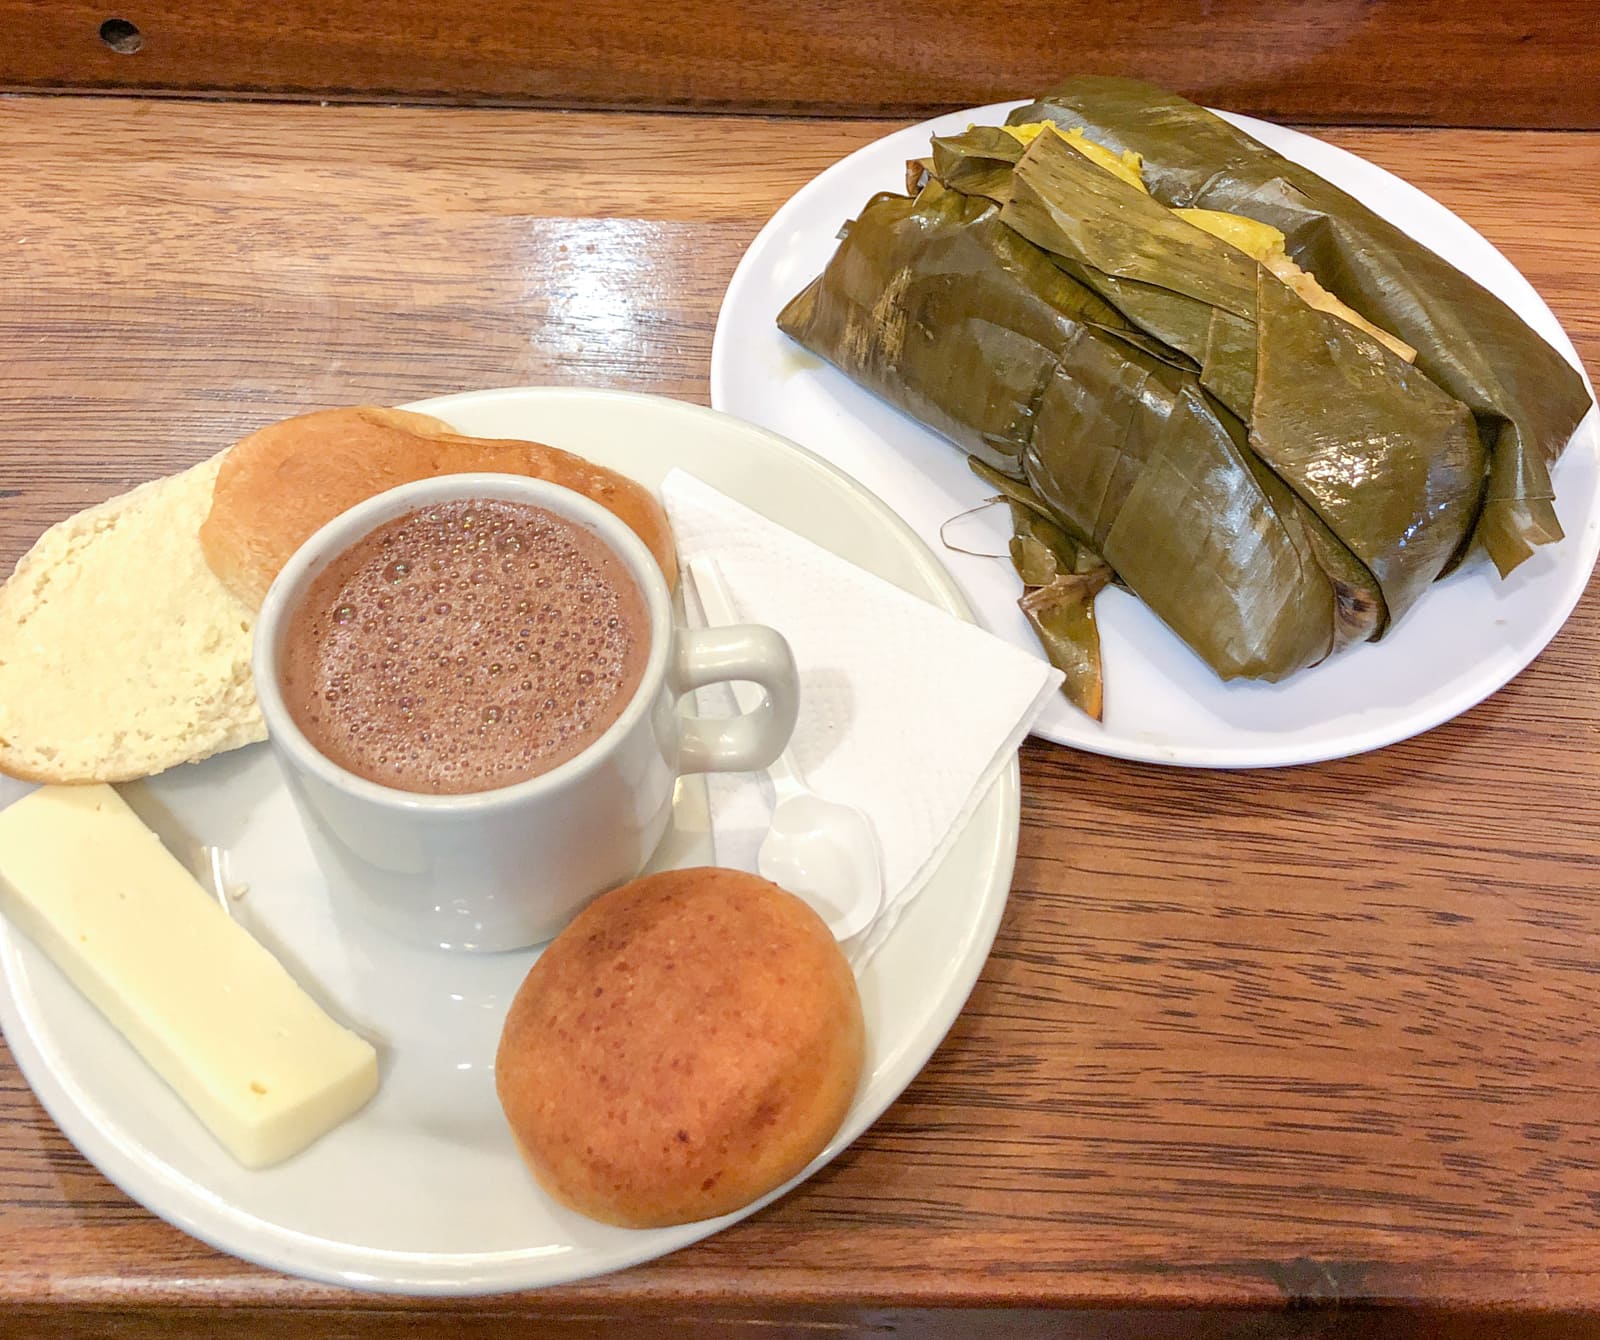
(1390, 463)
(938, 307)
(1527, 398)
(1061, 577)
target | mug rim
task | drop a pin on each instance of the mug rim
(343, 531)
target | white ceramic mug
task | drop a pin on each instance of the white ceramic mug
(509, 867)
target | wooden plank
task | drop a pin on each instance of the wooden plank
(705, 1323)
(1425, 62)
(1252, 1042)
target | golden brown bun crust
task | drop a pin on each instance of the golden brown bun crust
(280, 484)
(691, 1041)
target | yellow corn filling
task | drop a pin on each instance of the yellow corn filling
(1260, 241)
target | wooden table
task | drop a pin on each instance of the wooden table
(1247, 1041)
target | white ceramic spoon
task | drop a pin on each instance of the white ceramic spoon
(821, 850)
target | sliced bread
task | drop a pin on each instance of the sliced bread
(284, 481)
(121, 653)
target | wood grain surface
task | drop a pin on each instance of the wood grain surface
(1248, 1042)
(1406, 62)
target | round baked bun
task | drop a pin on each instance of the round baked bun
(279, 485)
(691, 1041)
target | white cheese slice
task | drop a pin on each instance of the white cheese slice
(215, 1015)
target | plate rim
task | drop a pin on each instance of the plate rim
(996, 820)
(1257, 755)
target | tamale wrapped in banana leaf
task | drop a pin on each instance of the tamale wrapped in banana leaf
(938, 306)
(1386, 459)
(1526, 397)
(1272, 479)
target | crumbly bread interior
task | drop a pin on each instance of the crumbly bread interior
(282, 483)
(121, 653)
(690, 1042)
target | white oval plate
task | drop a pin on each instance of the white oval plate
(1466, 638)
(423, 1192)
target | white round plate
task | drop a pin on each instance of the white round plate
(423, 1192)
(1466, 638)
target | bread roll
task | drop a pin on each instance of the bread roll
(121, 654)
(282, 483)
(690, 1042)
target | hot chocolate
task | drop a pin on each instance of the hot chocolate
(464, 646)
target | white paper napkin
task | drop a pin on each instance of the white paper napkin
(906, 711)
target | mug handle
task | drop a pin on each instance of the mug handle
(750, 741)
